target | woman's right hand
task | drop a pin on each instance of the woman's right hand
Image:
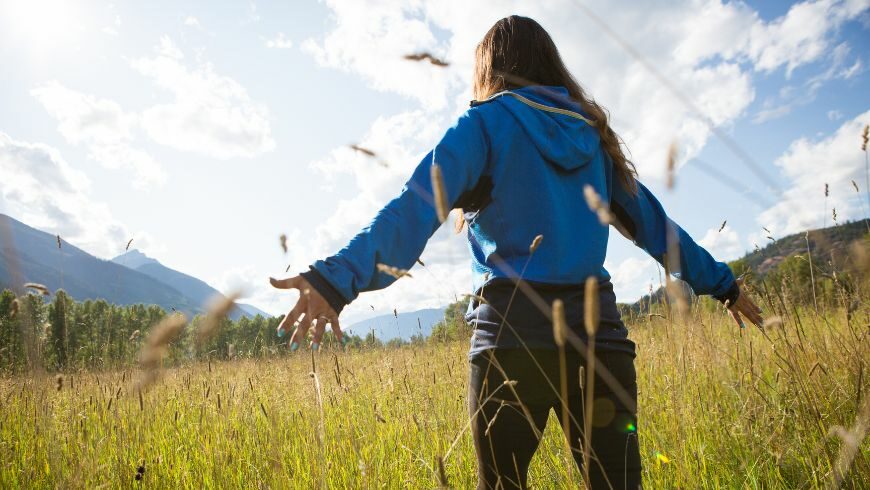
(744, 306)
(313, 306)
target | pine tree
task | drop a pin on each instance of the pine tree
(57, 318)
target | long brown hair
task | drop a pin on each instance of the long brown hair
(517, 52)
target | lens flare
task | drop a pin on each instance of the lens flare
(661, 458)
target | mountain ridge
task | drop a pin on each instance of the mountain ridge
(399, 325)
(28, 254)
(196, 289)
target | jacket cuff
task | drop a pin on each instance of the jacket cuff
(730, 295)
(326, 289)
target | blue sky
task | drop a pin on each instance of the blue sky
(204, 130)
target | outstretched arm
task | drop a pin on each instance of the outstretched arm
(643, 217)
(396, 237)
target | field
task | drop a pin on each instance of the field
(720, 407)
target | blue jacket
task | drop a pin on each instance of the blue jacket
(517, 165)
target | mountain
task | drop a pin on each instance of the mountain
(195, 289)
(31, 255)
(402, 325)
(824, 243)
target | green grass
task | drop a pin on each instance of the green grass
(726, 408)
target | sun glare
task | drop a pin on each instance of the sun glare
(42, 25)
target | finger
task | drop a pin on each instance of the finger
(750, 309)
(299, 335)
(317, 336)
(289, 283)
(736, 316)
(336, 330)
(753, 315)
(757, 308)
(292, 317)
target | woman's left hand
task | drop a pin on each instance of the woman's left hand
(746, 307)
(311, 309)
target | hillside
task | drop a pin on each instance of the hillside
(133, 278)
(824, 243)
(401, 326)
(34, 256)
(198, 291)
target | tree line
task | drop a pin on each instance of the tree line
(57, 333)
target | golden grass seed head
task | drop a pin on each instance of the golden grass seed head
(39, 288)
(535, 243)
(676, 290)
(283, 240)
(424, 56)
(590, 309)
(865, 137)
(439, 193)
(859, 256)
(219, 307)
(671, 164)
(393, 271)
(593, 200)
(773, 321)
(363, 150)
(14, 309)
(560, 324)
(167, 330)
(158, 341)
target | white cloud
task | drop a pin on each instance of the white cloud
(244, 280)
(802, 35)
(168, 49)
(835, 115)
(113, 30)
(40, 188)
(279, 42)
(723, 245)
(192, 21)
(632, 277)
(733, 31)
(840, 67)
(210, 114)
(370, 39)
(102, 126)
(84, 118)
(808, 165)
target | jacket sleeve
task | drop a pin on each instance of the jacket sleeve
(399, 232)
(645, 221)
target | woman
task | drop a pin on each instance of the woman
(517, 163)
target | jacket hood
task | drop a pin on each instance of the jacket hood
(554, 123)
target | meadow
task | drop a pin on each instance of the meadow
(719, 407)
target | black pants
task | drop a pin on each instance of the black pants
(507, 423)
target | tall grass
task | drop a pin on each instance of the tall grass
(718, 408)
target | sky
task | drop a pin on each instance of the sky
(205, 130)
